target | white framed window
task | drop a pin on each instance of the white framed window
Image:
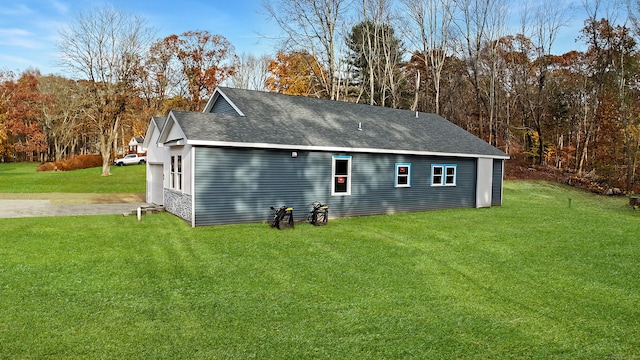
(403, 175)
(172, 177)
(179, 172)
(341, 175)
(176, 172)
(443, 175)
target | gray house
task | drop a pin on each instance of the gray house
(249, 150)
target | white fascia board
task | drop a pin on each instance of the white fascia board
(210, 102)
(149, 134)
(167, 127)
(178, 137)
(336, 149)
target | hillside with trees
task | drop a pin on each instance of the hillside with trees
(574, 115)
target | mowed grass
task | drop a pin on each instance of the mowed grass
(552, 274)
(23, 178)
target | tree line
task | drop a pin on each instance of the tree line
(461, 59)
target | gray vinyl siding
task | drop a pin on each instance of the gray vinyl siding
(496, 192)
(239, 185)
(221, 106)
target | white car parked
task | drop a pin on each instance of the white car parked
(131, 159)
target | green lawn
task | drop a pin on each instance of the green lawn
(23, 178)
(541, 277)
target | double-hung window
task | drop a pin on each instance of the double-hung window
(403, 175)
(172, 177)
(443, 175)
(179, 172)
(176, 172)
(341, 175)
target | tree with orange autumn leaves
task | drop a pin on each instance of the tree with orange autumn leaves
(204, 59)
(295, 73)
(21, 136)
(575, 111)
(6, 146)
(614, 56)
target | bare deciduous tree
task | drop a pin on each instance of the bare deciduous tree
(105, 48)
(431, 33)
(548, 17)
(481, 22)
(314, 26)
(61, 120)
(252, 72)
(375, 54)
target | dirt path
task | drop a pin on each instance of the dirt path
(76, 198)
(63, 204)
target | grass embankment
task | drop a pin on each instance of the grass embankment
(533, 279)
(22, 181)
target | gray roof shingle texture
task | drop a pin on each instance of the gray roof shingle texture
(159, 121)
(278, 119)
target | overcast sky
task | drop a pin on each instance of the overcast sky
(29, 28)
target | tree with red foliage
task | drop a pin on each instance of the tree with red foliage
(22, 116)
(205, 59)
(5, 146)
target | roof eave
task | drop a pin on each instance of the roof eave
(148, 134)
(338, 149)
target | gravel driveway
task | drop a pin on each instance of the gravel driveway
(17, 206)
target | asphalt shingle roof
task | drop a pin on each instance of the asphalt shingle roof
(160, 121)
(278, 119)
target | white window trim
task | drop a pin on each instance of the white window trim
(333, 175)
(176, 175)
(408, 175)
(179, 172)
(443, 180)
(172, 172)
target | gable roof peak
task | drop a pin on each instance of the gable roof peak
(221, 103)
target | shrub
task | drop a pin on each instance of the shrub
(73, 163)
(47, 167)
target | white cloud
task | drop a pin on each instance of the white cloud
(19, 38)
(17, 10)
(61, 7)
(15, 59)
(14, 32)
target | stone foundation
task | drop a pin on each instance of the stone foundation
(178, 204)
